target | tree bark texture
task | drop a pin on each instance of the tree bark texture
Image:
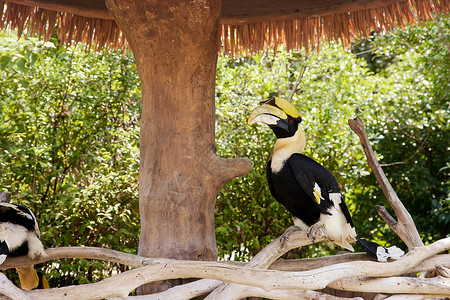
(175, 44)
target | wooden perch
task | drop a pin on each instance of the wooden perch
(313, 263)
(204, 286)
(160, 269)
(407, 285)
(77, 252)
(291, 238)
(404, 227)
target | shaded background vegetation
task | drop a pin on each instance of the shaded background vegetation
(69, 139)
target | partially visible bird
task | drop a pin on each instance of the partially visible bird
(20, 235)
(306, 188)
(31, 279)
(19, 232)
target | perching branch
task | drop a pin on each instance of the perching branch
(291, 238)
(204, 286)
(161, 269)
(404, 227)
(77, 252)
(314, 263)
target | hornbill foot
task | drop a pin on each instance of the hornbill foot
(287, 233)
(315, 231)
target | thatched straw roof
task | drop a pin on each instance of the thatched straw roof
(247, 25)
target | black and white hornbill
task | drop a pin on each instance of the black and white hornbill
(308, 190)
(20, 235)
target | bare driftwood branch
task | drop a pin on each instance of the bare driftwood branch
(404, 227)
(8, 289)
(250, 291)
(182, 292)
(160, 269)
(204, 286)
(77, 252)
(318, 262)
(404, 285)
(411, 297)
(313, 263)
(291, 238)
(289, 294)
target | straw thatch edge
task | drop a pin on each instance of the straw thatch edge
(235, 39)
(310, 32)
(70, 28)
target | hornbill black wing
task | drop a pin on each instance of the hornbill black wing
(318, 183)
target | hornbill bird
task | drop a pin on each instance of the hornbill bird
(306, 188)
(20, 235)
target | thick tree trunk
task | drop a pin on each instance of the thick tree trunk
(175, 44)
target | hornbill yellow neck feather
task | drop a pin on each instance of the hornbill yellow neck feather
(307, 190)
(285, 147)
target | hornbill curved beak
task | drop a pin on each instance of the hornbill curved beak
(279, 114)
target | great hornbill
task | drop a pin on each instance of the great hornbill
(308, 190)
(20, 235)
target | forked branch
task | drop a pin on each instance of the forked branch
(404, 226)
(160, 269)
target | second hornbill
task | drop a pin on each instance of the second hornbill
(306, 188)
(20, 235)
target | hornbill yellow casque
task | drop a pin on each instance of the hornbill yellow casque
(20, 235)
(308, 190)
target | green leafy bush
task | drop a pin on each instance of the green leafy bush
(69, 136)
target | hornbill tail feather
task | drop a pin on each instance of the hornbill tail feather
(31, 279)
(378, 252)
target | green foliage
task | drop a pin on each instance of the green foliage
(69, 148)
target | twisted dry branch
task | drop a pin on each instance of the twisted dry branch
(404, 227)
(161, 269)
